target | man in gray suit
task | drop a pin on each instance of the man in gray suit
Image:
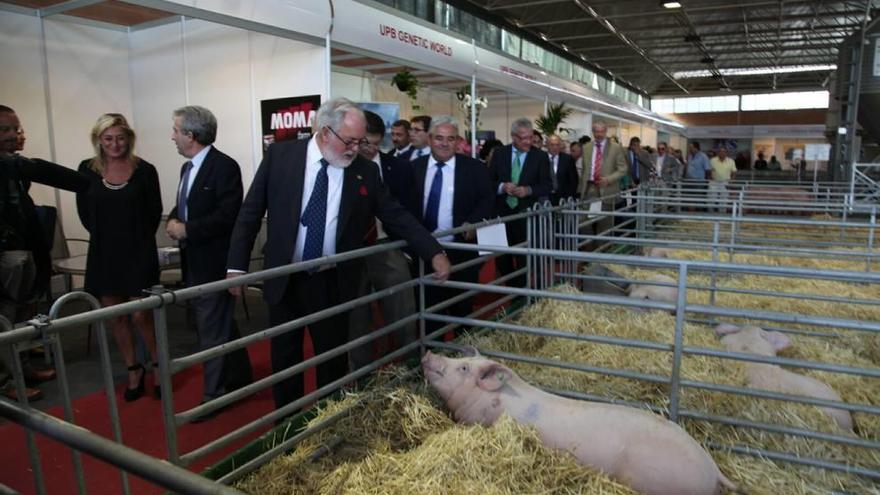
(666, 166)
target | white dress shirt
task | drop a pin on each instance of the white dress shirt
(400, 151)
(420, 152)
(334, 196)
(658, 165)
(444, 214)
(197, 161)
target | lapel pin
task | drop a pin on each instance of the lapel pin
(359, 177)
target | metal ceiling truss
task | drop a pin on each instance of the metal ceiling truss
(644, 44)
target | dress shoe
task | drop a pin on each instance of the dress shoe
(32, 394)
(133, 394)
(33, 377)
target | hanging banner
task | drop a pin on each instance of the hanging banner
(286, 119)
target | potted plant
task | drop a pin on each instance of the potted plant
(407, 83)
(551, 123)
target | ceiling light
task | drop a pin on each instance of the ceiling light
(671, 5)
(754, 71)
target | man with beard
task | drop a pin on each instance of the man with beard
(321, 199)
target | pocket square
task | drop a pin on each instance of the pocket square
(363, 191)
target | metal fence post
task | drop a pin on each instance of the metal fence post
(42, 322)
(675, 384)
(716, 238)
(106, 368)
(18, 381)
(160, 320)
(871, 231)
(530, 243)
(422, 329)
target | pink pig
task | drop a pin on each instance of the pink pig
(650, 454)
(771, 377)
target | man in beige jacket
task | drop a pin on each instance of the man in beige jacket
(604, 165)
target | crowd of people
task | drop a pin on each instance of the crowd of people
(332, 193)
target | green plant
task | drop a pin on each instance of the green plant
(407, 83)
(551, 123)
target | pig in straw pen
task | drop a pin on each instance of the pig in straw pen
(758, 475)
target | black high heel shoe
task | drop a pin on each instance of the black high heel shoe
(133, 394)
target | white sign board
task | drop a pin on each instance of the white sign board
(820, 152)
(492, 235)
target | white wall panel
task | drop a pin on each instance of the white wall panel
(88, 76)
(22, 88)
(353, 87)
(280, 68)
(158, 79)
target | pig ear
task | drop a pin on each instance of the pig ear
(779, 340)
(726, 329)
(470, 351)
(492, 376)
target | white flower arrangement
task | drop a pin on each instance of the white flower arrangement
(465, 99)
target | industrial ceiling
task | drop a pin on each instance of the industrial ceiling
(649, 46)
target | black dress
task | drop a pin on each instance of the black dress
(122, 223)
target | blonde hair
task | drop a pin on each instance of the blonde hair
(105, 122)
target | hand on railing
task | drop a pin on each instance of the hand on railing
(442, 267)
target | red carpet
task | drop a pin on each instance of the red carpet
(143, 429)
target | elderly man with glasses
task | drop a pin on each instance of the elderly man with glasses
(321, 199)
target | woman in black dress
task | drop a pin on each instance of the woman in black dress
(121, 211)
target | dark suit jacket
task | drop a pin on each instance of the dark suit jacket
(212, 205)
(405, 155)
(535, 173)
(645, 165)
(566, 178)
(397, 174)
(20, 228)
(473, 197)
(277, 189)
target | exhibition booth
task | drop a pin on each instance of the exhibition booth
(66, 64)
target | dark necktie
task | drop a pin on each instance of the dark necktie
(635, 162)
(432, 209)
(183, 194)
(554, 168)
(315, 216)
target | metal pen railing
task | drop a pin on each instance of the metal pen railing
(554, 235)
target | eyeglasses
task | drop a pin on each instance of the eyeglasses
(349, 142)
(416, 129)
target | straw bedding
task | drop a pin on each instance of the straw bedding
(401, 441)
(754, 474)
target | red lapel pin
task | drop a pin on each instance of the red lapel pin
(363, 190)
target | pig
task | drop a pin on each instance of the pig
(645, 451)
(657, 252)
(754, 340)
(654, 292)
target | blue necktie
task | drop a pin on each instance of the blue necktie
(432, 209)
(314, 217)
(183, 194)
(635, 162)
